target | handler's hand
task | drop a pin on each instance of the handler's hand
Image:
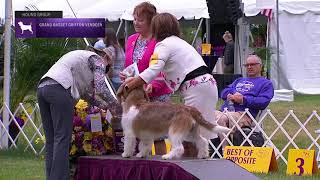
(148, 88)
(123, 76)
(134, 82)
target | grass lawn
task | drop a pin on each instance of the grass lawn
(16, 164)
(19, 165)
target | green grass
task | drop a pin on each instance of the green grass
(16, 164)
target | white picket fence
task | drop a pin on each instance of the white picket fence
(280, 134)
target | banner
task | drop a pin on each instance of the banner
(59, 27)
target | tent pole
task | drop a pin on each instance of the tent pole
(278, 53)
(6, 82)
(208, 30)
(119, 27)
(198, 29)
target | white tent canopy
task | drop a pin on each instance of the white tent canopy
(299, 44)
(113, 10)
(189, 9)
(109, 9)
(290, 6)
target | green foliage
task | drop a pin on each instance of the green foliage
(32, 58)
(259, 33)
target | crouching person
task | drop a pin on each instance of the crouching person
(77, 74)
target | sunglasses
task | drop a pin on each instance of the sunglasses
(250, 64)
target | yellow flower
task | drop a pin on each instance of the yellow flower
(73, 149)
(43, 139)
(87, 147)
(81, 105)
(37, 140)
(87, 136)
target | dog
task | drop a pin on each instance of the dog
(150, 120)
(25, 27)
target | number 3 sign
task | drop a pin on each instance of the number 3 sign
(301, 162)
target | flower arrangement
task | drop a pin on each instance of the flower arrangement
(85, 142)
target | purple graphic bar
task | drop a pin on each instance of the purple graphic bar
(59, 27)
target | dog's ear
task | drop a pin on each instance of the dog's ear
(120, 92)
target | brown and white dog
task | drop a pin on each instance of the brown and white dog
(150, 120)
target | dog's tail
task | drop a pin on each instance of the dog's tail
(197, 116)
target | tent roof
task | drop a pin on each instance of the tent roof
(291, 6)
(113, 10)
(189, 9)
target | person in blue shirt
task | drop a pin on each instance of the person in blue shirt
(253, 92)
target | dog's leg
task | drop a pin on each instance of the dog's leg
(202, 146)
(177, 149)
(129, 145)
(145, 146)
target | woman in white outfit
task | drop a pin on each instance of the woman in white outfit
(184, 69)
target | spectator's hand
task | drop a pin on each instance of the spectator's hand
(148, 88)
(238, 98)
(230, 97)
(122, 76)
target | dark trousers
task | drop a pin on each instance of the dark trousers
(228, 69)
(56, 109)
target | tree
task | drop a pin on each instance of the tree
(32, 59)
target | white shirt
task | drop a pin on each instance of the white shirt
(176, 58)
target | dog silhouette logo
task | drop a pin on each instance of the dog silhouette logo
(25, 27)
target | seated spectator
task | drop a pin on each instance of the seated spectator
(253, 92)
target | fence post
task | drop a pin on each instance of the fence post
(3, 135)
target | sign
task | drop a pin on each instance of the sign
(168, 147)
(253, 159)
(301, 162)
(59, 27)
(206, 49)
(96, 125)
(38, 14)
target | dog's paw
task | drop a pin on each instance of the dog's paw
(126, 155)
(203, 155)
(166, 156)
(140, 155)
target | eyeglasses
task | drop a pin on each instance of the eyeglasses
(251, 64)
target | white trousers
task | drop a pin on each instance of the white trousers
(202, 93)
